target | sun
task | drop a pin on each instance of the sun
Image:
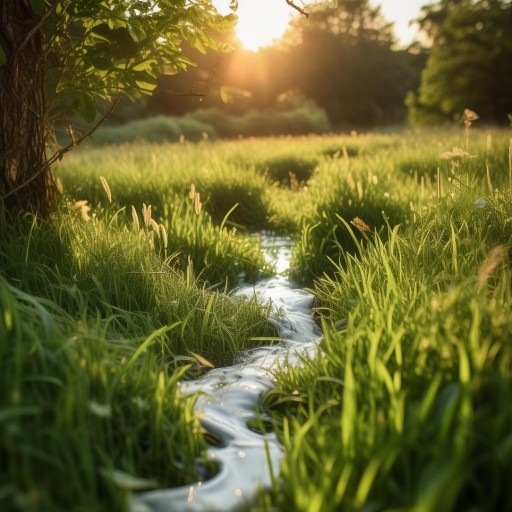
(260, 22)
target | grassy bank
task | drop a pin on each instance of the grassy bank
(405, 406)
(125, 290)
(100, 320)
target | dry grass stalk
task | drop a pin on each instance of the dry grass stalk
(146, 214)
(197, 204)
(493, 259)
(164, 236)
(135, 218)
(106, 188)
(489, 181)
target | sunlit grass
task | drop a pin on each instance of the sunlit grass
(405, 406)
(408, 255)
(85, 419)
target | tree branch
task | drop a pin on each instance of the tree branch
(297, 8)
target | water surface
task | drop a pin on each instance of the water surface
(229, 398)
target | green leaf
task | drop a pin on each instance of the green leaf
(3, 57)
(84, 106)
(145, 65)
(145, 87)
(136, 31)
(38, 6)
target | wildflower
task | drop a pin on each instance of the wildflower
(455, 153)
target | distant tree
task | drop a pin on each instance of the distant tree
(343, 57)
(65, 57)
(469, 63)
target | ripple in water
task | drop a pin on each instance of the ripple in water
(246, 459)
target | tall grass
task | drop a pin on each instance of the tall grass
(107, 267)
(408, 255)
(85, 417)
(406, 405)
(96, 325)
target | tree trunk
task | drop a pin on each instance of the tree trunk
(25, 179)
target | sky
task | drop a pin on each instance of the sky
(260, 21)
(400, 12)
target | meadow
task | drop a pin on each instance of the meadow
(405, 240)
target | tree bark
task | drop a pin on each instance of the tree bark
(26, 182)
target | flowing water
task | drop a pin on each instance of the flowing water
(229, 397)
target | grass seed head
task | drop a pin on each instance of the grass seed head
(493, 259)
(360, 224)
(82, 208)
(106, 188)
(146, 214)
(135, 218)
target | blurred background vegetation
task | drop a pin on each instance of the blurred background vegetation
(340, 69)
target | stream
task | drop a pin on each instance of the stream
(246, 459)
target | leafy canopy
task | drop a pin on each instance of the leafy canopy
(97, 49)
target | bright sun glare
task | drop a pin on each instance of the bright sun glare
(259, 22)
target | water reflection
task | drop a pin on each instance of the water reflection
(247, 458)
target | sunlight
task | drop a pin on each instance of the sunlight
(259, 23)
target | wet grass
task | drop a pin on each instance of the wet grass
(122, 293)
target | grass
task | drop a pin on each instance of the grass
(412, 377)
(85, 408)
(97, 328)
(408, 252)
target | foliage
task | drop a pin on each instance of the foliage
(212, 123)
(66, 58)
(80, 405)
(154, 129)
(298, 119)
(468, 63)
(103, 48)
(411, 380)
